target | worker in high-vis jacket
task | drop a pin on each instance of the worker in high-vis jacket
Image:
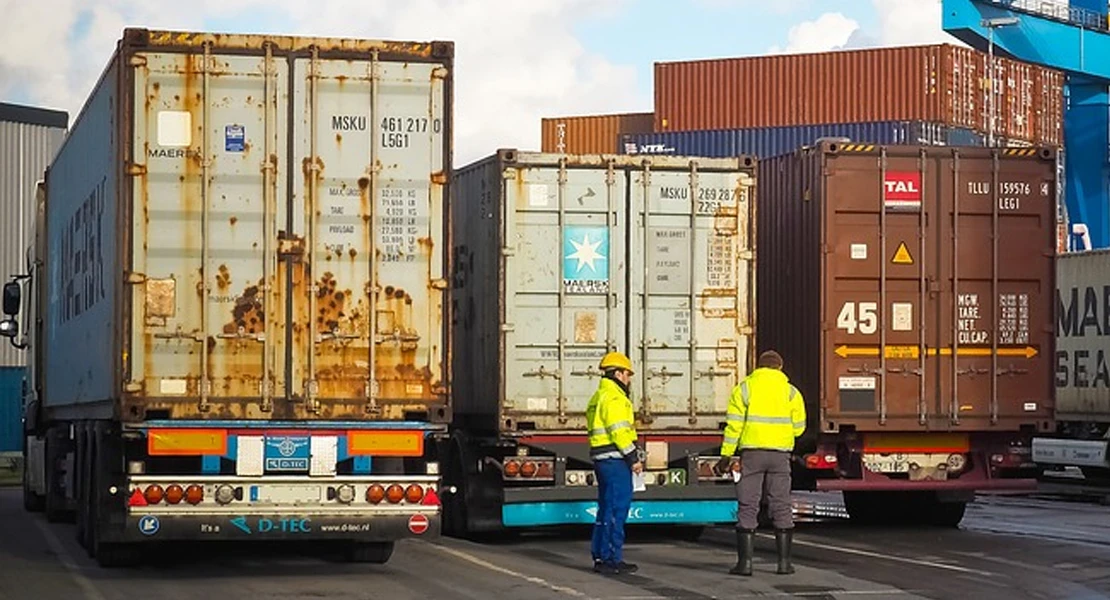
(765, 415)
(610, 419)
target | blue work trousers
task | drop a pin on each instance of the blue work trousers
(614, 499)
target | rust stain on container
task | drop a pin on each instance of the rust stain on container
(247, 316)
(938, 83)
(591, 134)
(891, 319)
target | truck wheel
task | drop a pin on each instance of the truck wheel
(946, 514)
(55, 501)
(369, 552)
(81, 466)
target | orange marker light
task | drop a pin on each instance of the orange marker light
(414, 494)
(174, 494)
(154, 494)
(395, 494)
(375, 494)
(194, 494)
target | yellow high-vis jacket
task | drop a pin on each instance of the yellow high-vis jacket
(609, 419)
(765, 412)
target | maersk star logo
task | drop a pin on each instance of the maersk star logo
(585, 252)
(586, 259)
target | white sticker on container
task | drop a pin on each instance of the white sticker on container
(856, 383)
(859, 251)
(173, 387)
(175, 128)
(537, 404)
(901, 315)
(537, 194)
(1030, 407)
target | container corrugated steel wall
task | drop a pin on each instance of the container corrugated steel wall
(939, 83)
(1082, 349)
(29, 138)
(864, 275)
(607, 252)
(11, 408)
(591, 134)
(772, 141)
(284, 238)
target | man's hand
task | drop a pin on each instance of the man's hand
(723, 466)
(638, 467)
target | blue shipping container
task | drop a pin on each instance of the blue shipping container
(11, 408)
(771, 141)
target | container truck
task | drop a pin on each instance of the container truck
(559, 258)
(235, 305)
(1081, 368)
(910, 292)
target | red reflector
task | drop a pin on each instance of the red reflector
(431, 498)
(418, 524)
(137, 499)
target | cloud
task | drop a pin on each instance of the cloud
(827, 32)
(506, 77)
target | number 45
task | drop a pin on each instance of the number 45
(867, 320)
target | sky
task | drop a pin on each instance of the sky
(516, 60)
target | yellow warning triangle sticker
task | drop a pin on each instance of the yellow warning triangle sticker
(902, 255)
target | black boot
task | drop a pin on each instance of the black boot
(784, 538)
(745, 548)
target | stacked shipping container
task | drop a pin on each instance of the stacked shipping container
(590, 134)
(943, 84)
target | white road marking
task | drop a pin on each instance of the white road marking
(890, 557)
(67, 561)
(470, 558)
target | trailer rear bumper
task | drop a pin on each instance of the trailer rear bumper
(894, 485)
(153, 527)
(642, 512)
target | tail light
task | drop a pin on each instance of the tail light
(821, 461)
(532, 467)
(375, 494)
(528, 469)
(174, 494)
(395, 494)
(414, 494)
(154, 494)
(512, 468)
(194, 494)
(431, 498)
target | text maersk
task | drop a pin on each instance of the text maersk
(1083, 313)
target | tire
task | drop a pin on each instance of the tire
(377, 553)
(55, 502)
(946, 514)
(82, 466)
(32, 502)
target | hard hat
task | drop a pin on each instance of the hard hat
(615, 360)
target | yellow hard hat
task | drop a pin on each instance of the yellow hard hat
(615, 360)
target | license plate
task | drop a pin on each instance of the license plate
(895, 463)
(287, 494)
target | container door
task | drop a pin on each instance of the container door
(366, 238)
(207, 166)
(691, 319)
(996, 256)
(565, 265)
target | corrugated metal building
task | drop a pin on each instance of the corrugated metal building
(772, 141)
(591, 134)
(29, 138)
(938, 83)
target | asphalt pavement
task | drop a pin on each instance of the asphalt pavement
(1007, 548)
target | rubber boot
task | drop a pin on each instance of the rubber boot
(784, 538)
(745, 548)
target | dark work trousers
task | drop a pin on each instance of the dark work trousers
(764, 471)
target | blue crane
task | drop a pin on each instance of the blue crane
(1073, 38)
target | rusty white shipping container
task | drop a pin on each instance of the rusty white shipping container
(1083, 337)
(247, 226)
(561, 258)
(29, 137)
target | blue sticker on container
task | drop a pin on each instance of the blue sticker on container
(287, 453)
(586, 259)
(235, 138)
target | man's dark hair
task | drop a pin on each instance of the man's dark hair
(770, 359)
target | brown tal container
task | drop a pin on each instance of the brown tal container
(591, 134)
(939, 83)
(944, 257)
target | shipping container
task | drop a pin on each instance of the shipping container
(11, 408)
(1082, 365)
(280, 224)
(29, 137)
(1082, 326)
(560, 259)
(910, 292)
(239, 328)
(772, 141)
(590, 134)
(939, 83)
